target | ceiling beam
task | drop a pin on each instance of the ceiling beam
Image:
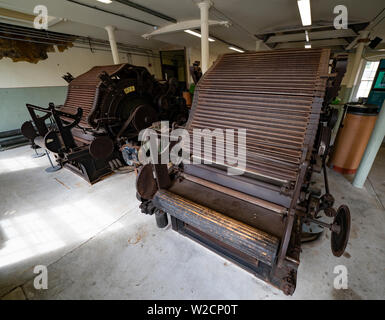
(111, 12)
(16, 15)
(314, 44)
(378, 19)
(147, 10)
(183, 25)
(316, 35)
(321, 26)
(24, 19)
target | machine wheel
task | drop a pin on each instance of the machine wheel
(339, 239)
(28, 130)
(101, 148)
(145, 182)
(143, 117)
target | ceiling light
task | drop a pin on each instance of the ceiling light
(307, 45)
(307, 36)
(304, 11)
(197, 34)
(105, 1)
(236, 49)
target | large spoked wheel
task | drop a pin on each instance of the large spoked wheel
(340, 237)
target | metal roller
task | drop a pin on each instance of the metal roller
(256, 243)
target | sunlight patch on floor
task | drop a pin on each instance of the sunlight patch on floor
(31, 235)
(25, 237)
(18, 164)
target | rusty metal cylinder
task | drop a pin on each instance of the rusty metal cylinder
(352, 137)
(249, 240)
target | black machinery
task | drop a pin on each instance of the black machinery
(105, 109)
(255, 219)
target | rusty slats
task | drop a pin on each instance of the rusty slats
(253, 242)
(83, 91)
(276, 96)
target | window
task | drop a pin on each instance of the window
(367, 79)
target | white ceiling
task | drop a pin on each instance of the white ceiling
(249, 17)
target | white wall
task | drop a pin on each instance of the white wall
(144, 61)
(48, 72)
(41, 83)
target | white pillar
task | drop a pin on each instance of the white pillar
(357, 62)
(371, 150)
(204, 7)
(114, 47)
(258, 45)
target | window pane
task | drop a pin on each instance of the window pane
(367, 79)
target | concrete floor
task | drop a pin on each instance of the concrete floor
(97, 245)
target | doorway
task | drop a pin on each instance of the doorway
(173, 63)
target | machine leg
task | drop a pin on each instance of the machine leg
(161, 219)
(37, 154)
(52, 168)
